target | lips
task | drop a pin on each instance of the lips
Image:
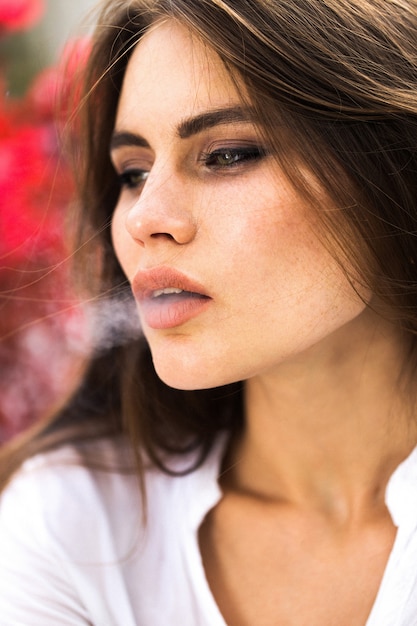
(167, 298)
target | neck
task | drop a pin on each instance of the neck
(327, 429)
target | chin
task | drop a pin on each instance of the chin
(190, 377)
(185, 380)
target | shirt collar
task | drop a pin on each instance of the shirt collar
(401, 492)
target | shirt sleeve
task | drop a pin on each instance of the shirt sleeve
(35, 585)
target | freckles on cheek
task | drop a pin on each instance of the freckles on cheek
(280, 231)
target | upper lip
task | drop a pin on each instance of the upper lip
(146, 282)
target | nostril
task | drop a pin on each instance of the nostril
(164, 235)
(153, 218)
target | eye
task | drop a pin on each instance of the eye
(222, 158)
(132, 179)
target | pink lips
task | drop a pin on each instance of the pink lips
(168, 298)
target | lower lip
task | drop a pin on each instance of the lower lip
(163, 313)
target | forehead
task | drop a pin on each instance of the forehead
(173, 73)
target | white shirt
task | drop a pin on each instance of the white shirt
(74, 550)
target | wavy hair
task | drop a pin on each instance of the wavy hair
(334, 87)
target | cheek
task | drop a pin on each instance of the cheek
(267, 234)
(116, 237)
(122, 242)
(289, 269)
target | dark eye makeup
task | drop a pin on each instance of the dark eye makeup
(219, 159)
(133, 178)
(222, 158)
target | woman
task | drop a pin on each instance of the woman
(250, 169)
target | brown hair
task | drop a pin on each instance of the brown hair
(334, 87)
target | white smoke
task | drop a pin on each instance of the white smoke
(40, 360)
(111, 322)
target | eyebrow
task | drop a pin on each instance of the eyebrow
(189, 126)
(125, 138)
(194, 125)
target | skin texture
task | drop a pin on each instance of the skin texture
(303, 509)
(241, 231)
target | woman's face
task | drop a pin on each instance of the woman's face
(228, 273)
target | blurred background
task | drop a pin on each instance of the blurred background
(40, 42)
(42, 326)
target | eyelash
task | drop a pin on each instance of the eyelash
(127, 178)
(233, 157)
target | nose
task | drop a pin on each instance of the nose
(162, 212)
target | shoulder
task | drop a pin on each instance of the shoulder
(58, 520)
(74, 541)
(68, 538)
(82, 499)
(54, 496)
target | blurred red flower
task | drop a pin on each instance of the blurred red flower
(41, 321)
(56, 90)
(20, 14)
